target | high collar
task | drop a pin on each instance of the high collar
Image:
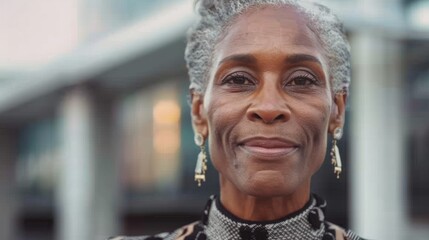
(306, 223)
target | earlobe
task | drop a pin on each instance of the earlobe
(199, 119)
(338, 112)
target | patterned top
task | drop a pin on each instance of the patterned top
(219, 224)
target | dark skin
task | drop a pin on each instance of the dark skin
(267, 112)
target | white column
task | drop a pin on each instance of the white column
(8, 158)
(377, 139)
(76, 188)
(87, 186)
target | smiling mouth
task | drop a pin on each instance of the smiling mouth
(268, 148)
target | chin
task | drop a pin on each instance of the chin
(269, 184)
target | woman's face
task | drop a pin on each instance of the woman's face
(268, 106)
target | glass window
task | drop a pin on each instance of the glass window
(417, 108)
(39, 157)
(158, 152)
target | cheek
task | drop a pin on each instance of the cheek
(313, 114)
(315, 124)
(222, 119)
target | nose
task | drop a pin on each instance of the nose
(268, 107)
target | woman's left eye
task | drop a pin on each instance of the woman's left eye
(302, 79)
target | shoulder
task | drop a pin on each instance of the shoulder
(179, 234)
(339, 233)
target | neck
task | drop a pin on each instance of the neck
(262, 208)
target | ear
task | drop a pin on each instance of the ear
(338, 112)
(198, 115)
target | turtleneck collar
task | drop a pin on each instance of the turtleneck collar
(306, 223)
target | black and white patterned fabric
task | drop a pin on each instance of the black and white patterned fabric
(222, 225)
(219, 224)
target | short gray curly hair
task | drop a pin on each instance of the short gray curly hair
(216, 15)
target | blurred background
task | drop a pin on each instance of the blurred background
(95, 134)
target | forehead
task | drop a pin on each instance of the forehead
(269, 28)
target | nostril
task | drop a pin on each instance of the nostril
(274, 118)
(268, 114)
(256, 116)
(267, 117)
(280, 117)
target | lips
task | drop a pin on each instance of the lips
(268, 148)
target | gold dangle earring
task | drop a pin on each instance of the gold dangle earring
(201, 167)
(335, 153)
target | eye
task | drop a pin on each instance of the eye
(302, 78)
(238, 79)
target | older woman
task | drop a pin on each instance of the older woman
(269, 82)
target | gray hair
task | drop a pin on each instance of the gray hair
(216, 15)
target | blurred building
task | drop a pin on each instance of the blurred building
(95, 134)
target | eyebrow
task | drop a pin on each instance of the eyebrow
(250, 59)
(297, 58)
(241, 58)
